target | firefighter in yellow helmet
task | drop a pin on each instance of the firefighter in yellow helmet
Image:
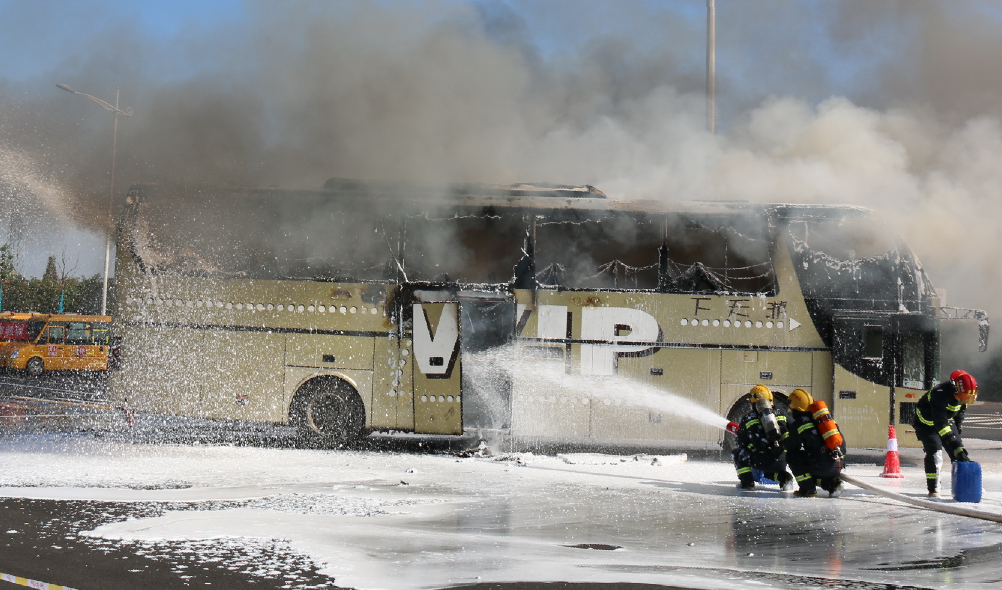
(760, 439)
(809, 458)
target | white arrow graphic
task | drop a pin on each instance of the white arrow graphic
(794, 324)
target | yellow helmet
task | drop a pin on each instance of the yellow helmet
(758, 392)
(800, 400)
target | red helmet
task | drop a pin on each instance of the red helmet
(967, 387)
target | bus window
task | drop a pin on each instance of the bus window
(873, 342)
(481, 248)
(34, 329)
(255, 236)
(76, 333)
(614, 251)
(56, 334)
(913, 362)
(99, 334)
(719, 254)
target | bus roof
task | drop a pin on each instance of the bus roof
(17, 316)
(67, 317)
(518, 196)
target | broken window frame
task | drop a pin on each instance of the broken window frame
(525, 272)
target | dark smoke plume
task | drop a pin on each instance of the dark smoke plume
(895, 105)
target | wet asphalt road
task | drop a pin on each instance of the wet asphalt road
(40, 540)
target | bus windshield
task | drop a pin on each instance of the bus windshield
(34, 329)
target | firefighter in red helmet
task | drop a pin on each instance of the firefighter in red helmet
(938, 416)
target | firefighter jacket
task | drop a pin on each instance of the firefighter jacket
(805, 447)
(752, 440)
(937, 408)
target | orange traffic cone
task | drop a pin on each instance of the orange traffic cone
(892, 461)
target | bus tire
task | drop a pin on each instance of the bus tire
(328, 413)
(35, 366)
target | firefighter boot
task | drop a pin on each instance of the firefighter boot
(808, 487)
(834, 487)
(786, 481)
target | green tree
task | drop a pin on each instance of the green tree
(7, 270)
(9, 277)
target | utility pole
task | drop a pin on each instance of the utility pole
(111, 191)
(711, 67)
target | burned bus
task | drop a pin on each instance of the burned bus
(365, 307)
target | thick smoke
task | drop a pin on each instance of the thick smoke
(892, 105)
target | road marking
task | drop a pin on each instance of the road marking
(32, 583)
(982, 421)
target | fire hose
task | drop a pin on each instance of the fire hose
(947, 508)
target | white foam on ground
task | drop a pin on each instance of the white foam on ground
(393, 520)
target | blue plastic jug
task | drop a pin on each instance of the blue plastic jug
(967, 481)
(759, 477)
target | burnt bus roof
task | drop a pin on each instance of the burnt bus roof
(517, 196)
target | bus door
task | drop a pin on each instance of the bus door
(916, 361)
(437, 369)
(864, 369)
(487, 327)
(53, 344)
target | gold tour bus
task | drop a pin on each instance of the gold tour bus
(40, 342)
(352, 309)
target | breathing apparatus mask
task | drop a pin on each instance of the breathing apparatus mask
(761, 399)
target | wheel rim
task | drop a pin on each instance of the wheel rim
(332, 416)
(36, 366)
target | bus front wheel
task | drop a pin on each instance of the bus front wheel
(35, 366)
(328, 413)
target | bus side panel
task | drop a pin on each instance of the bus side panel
(822, 378)
(685, 372)
(161, 371)
(861, 410)
(386, 383)
(245, 376)
(405, 391)
(437, 405)
(780, 371)
(328, 351)
(542, 404)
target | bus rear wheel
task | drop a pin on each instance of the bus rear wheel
(741, 408)
(328, 413)
(35, 367)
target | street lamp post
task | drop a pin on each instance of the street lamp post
(111, 191)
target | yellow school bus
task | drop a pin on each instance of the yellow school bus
(365, 307)
(55, 342)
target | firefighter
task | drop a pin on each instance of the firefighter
(938, 416)
(811, 461)
(760, 440)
